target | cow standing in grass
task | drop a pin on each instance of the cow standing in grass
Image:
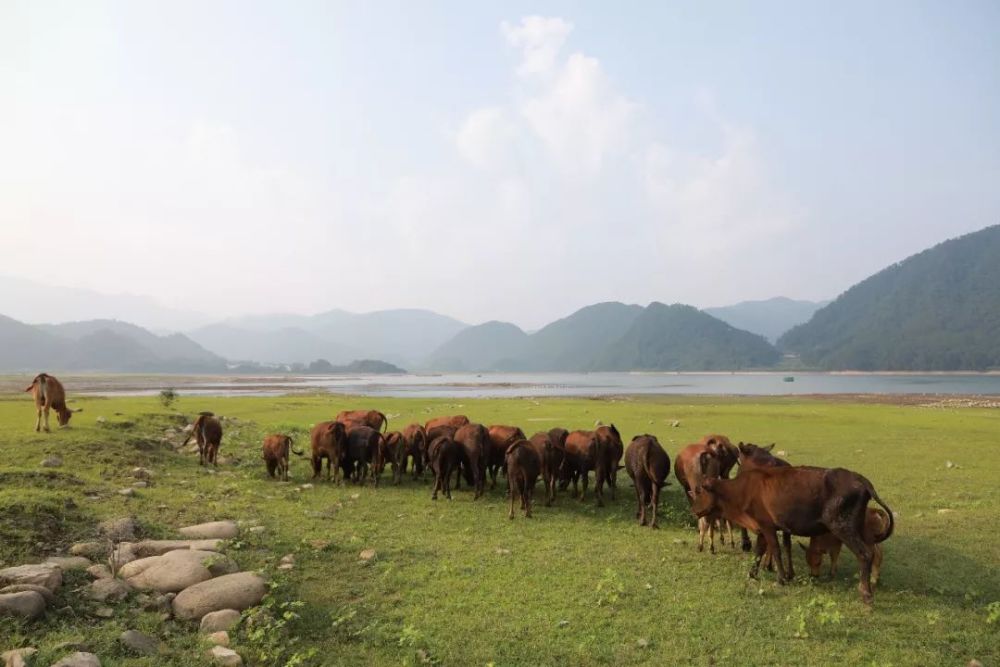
(328, 441)
(49, 394)
(207, 432)
(648, 465)
(276, 449)
(523, 465)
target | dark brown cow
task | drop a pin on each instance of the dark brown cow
(392, 450)
(752, 456)
(473, 441)
(523, 465)
(551, 458)
(801, 500)
(361, 452)
(876, 524)
(585, 452)
(207, 432)
(49, 394)
(613, 448)
(371, 418)
(276, 449)
(443, 456)
(329, 441)
(501, 437)
(455, 421)
(693, 464)
(415, 438)
(648, 465)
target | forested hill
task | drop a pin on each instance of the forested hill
(936, 310)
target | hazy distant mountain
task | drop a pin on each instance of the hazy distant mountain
(572, 342)
(936, 310)
(398, 336)
(683, 338)
(101, 345)
(770, 318)
(485, 347)
(32, 302)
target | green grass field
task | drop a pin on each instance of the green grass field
(457, 583)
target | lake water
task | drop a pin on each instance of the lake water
(472, 385)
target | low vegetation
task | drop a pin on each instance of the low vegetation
(457, 583)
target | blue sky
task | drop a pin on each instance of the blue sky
(490, 161)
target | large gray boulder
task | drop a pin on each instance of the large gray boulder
(176, 570)
(231, 591)
(28, 605)
(108, 590)
(139, 643)
(223, 530)
(18, 657)
(79, 659)
(42, 574)
(66, 563)
(41, 590)
(92, 550)
(148, 548)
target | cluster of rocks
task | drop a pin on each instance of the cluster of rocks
(188, 579)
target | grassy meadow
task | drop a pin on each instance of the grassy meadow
(457, 583)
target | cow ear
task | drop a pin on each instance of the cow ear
(769, 447)
(703, 460)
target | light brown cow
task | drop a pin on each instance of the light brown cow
(371, 418)
(876, 525)
(49, 394)
(276, 448)
(329, 441)
(501, 437)
(455, 421)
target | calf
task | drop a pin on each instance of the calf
(693, 464)
(276, 448)
(648, 466)
(876, 524)
(455, 422)
(750, 457)
(49, 394)
(415, 440)
(329, 441)
(442, 456)
(585, 452)
(473, 441)
(803, 501)
(501, 437)
(551, 457)
(523, 464)
(207, 431)
(391, 449)
(613, 448)
(361, 451)
(371, 418)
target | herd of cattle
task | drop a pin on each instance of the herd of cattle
(767, 496)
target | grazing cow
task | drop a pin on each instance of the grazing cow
(801, 500)
(415, 438)
(551, 457)
(391, 449)
(613, 448)
(276, 449)
(473, 441)
(648, 465)
(523, 465)
(693, 464)
(361, 452)
(876, 524)
(443, 456)
(371, 418)
(752, 456)
(501, 437)
(585, 452)
(329, 441)
(456, 422)
(49, 394)
(207, 431)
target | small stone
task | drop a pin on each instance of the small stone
(949, 464)
(222, 530)
(108, 590)
(367, 555)
(66, 563)
(563, 623)
(139, 643)
(649, 587)
(220, 638)
(642, 642)
(974, 663)
(675, 423)
(90, 550)
(225, 657)
(118, 530)
(141, 484)
(28, 605)
(104, 612)
(101, 419)
(147, 548)
(257, 529)
(355, 496)
(142, 473)
(288, 559)
(503, 552)
(319, 545)
(52, 462)
(79, 659)
(224, 619)
(286, 566)
(18, 657)
(306, 486)
(781, 452)
(945, 511)
(423, 656)
(127, 492)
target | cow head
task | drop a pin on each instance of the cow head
(64, 415)
(814, 559)
(703, 497)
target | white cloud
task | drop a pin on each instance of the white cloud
(540, 39)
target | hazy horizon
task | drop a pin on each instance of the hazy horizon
(488, 162)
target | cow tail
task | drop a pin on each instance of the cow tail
(881, 537)
(385, 423)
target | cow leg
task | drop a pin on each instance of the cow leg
(711, 536)
(437, 484)
(834, 556)
(876, 563)
(529, 491)
(786, 537)
(38, 421)
(771, 538)
(746, 544)
(640, 510)
(47, 419)
(865, 555)
(759, 550)
(732, 542)
(599, 488)
(654, 501)
(702, 529)
(510, 493)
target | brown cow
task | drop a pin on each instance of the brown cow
(551, 457)
(442, 456)
(455, 421)
(501, 437)
(876, 523)
(392, 450)
(49, 394)
(585, 452)
(207, 431)
(473, 441)
(752, 456)
(276, 449)
(648, 465)
(523, 465)
(693, 464)
(613, 448)
(329, 441)
(371, 418)
(415, 438)
(804, 501)
(361, 451)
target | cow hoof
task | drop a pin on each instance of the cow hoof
(701, 547)
(654, 526)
